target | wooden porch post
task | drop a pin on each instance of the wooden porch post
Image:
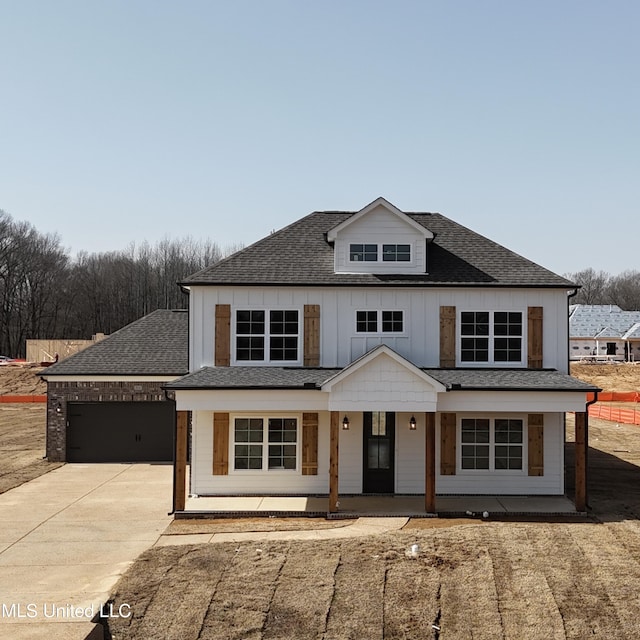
(333, 462)
(180, 469)
(582, 443)
(430, 463)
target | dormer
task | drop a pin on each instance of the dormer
(380, 239)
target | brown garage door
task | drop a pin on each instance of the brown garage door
(120, 431)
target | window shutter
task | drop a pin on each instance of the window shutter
(309, 444)
(311, 335)
(220, 444)
(448, 337)
(223, 335)
(536, 444)
(448, 444)
(534, 338)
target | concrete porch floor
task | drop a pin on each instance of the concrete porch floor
(379, 506)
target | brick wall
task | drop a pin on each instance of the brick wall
(60, 393)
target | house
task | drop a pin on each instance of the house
(604, 332)
(107, 403)
(378, 352)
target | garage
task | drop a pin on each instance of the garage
(120, 431)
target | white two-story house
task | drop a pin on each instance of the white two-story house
(378, 352)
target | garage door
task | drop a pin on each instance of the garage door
(120, 431)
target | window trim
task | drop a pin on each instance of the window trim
(380, 253)
(264, 444)
(267, 337)
(379, 331)
(492, 444)
(492, 362)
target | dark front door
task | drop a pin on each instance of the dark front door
(379, 447)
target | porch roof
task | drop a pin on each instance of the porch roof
(309, 378)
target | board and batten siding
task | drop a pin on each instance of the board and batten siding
(339, 344)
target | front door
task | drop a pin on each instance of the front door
(379, 448)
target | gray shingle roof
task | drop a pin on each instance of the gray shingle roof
(300, 255)
(602, 320)
(300, 378)
(157, 344)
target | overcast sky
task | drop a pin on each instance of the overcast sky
(126, 120)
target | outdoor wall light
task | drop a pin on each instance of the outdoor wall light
(412, 423)
(58, 408)
(345, 423)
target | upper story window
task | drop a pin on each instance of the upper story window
(396, 253)
(491, 337)
(267, 336)
(363, 252)
(379, 321)
(380, 252)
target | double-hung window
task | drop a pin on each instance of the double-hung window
(379, 321)
(267, 336)
(489, 444)
(492, 337)
(265, 444)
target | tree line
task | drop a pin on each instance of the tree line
(600, 287)
(47, 294)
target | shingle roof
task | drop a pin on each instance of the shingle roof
(300, 255)
(157, 344)
(602, 320)
(300, 378)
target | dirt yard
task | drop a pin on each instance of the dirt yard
(22, 428)
(527, 579)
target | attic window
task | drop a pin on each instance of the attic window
(363, 253)
(396, 253)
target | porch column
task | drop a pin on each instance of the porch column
(430, 463)
(580, 455)
(180, 465)
(333, 462)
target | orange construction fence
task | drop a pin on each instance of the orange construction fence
(14, 399)
(615, 414)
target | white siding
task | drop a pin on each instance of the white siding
(339, 342)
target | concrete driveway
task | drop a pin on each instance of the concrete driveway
(67, 537)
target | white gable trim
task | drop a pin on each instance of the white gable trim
(372, 355)
(333, 233)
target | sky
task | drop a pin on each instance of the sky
(133, 120)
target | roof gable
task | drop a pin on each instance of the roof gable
(377, 205)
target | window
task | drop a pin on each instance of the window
(491, 336)
(273, 448)
(363, 253)
(379, 322)
(259, 341)
(380, 252)
(492, 444)
(396, 253)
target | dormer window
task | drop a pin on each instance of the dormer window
(363, 253)
(377, 252)
(396, 252)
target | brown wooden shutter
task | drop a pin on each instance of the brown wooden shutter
(534, 338)
(182, 431)
(309, 444)
(448, 444)
(448, 337)
(223, 335)
(536, 444)
(311, 335)
(220, 444)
